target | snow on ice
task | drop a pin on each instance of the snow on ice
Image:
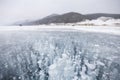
(60, 53)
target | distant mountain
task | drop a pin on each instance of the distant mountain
(70, 17)
(52, 15)
(97, 15)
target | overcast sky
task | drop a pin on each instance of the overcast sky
(20, 10)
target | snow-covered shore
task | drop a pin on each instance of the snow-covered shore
(99, 29)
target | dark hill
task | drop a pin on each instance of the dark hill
(97, 15)
(70, 17)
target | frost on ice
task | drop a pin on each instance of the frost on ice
(59, 56)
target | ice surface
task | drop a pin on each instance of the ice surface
(59, 53)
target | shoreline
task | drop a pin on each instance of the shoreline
(99, 29)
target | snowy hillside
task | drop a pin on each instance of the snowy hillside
(101, 21)
(69, 53)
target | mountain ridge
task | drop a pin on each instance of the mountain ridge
(70, 17)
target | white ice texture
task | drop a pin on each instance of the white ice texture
(46, 55)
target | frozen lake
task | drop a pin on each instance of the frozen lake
(60, 53)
